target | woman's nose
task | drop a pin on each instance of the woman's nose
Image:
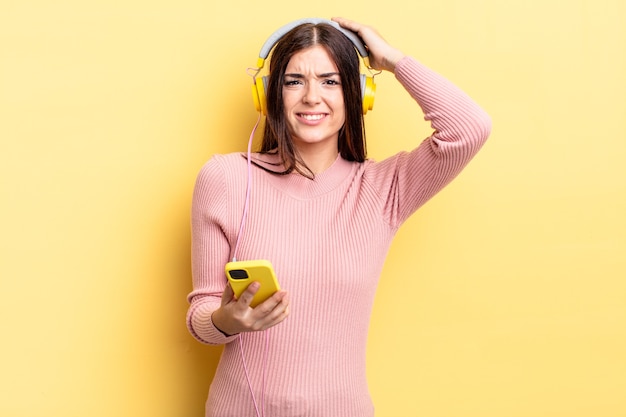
(311, 93)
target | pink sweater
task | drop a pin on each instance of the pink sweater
(327, 239)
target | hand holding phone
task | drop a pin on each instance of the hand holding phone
(235, 314)
(240, 274)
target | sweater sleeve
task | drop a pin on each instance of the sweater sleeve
(209, 252)
(407, 180)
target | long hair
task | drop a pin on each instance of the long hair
(276, 137)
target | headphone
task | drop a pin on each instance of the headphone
(368, 87)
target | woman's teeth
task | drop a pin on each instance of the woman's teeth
(312, 116)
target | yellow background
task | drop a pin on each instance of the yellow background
(504, 296)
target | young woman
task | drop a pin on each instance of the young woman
(324, 215)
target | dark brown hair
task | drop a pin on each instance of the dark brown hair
(276, 137)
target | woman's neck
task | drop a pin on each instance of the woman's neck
(318, 160)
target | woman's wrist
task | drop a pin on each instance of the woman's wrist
(392, 60)
(215, 319)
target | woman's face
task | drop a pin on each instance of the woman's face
(313, 99)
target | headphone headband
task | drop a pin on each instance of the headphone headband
(282, 31)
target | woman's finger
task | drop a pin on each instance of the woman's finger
(246, 297)
(227, 295)
(272, 311)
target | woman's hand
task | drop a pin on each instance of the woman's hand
(382, 56)
(236, 316)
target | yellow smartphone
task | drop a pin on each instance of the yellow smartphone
(240, 274)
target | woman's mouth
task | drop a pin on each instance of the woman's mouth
(312, 117)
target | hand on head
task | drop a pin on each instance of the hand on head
(382, 56)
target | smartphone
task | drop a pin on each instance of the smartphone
(240, 274)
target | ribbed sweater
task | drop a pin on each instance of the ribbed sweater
(327, 239)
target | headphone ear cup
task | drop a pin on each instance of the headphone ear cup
(368, 90)
(258, 94)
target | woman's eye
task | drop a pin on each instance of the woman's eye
(292, 82)
(331, 82)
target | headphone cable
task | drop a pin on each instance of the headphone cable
(248, 187)
(247, 374)
(244, 217)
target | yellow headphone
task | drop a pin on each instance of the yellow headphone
(368, 87)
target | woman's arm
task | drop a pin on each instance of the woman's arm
(409, 179)
(460, 129)
(215, 316)
(210, 251)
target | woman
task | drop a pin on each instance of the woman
(325, 216)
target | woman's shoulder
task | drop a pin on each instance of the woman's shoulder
(220, 169)
(233, 158)
(222, 163)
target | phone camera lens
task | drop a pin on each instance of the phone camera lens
(238, 274)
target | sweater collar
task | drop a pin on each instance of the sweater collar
(301, 187)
